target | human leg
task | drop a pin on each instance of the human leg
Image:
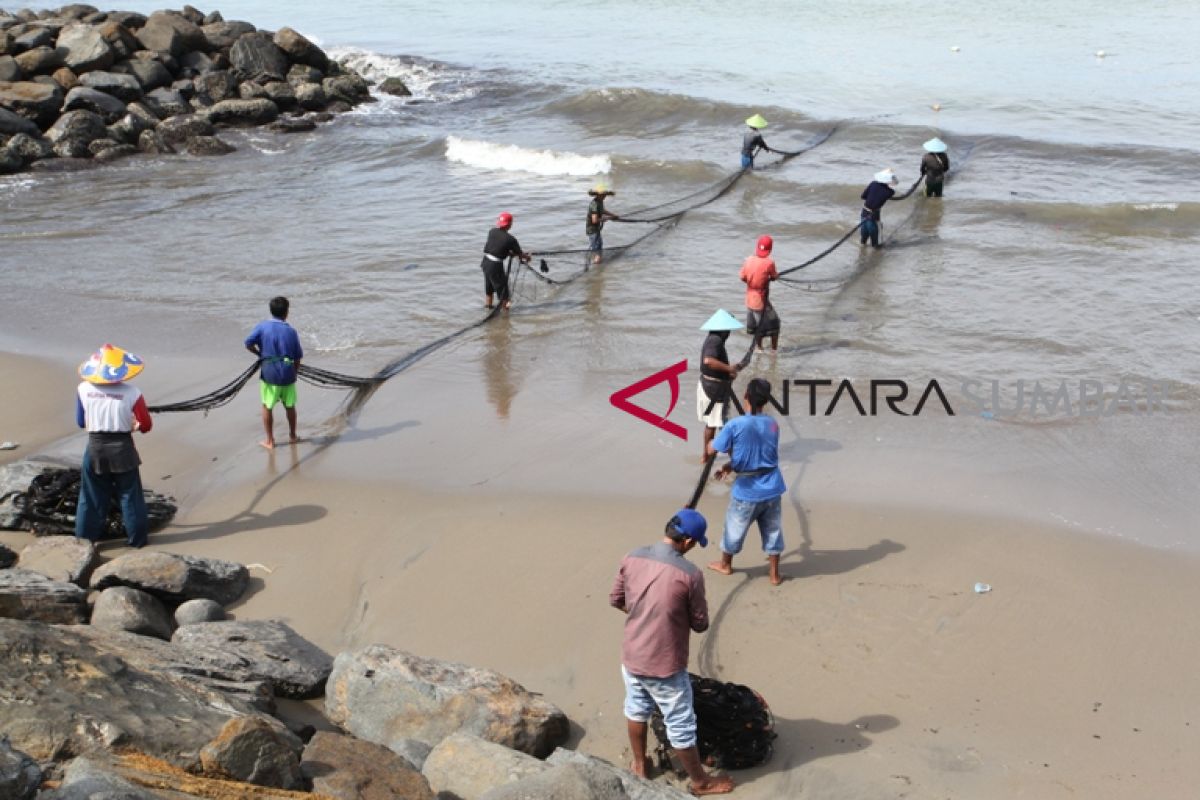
(874, 233)
(596, 246)
(95, 495)
(133, 507)
(770, 528)
(673, 696)
(639, 707)
(738, 517)
(289, 409)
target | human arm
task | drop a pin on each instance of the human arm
(697, 604)
(254, 341)
(722, 443)
(141, 416)
(616, 598)
(721, 366)
(80, 419)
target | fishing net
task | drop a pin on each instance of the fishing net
(734, 726)
(47, 505)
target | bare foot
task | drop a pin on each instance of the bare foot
(295, 440)
(719, 566)
(645, 768)
(507, 305)
(776, 580)
(267, 444)
(712, 785)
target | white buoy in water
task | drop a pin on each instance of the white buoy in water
(954, 48)
(1100, 54)
(936, 106)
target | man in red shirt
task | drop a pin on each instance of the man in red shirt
(757, 273)
(663, 595)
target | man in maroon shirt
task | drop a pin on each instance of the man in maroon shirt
(663, 595)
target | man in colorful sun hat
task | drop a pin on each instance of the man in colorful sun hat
(716, 375)
(111, 410)
(934, 166)
(596, 217)
(277, 344)
(752, 140)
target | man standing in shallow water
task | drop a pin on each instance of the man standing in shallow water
(276, 343)
(662, 594)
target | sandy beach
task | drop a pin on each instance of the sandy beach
(888, 675)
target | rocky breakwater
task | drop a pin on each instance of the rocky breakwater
(79, 85)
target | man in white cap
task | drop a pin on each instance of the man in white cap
(752, 140)
(111, 410)
(934, 166)
(716, 375)
(878, 192)
(596, 217)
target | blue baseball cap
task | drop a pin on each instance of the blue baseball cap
(690, 523)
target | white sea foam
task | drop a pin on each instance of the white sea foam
(510, 158)
(1156, 206)
(429, 81)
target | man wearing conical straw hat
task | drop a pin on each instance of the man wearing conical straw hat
(111, 410)
(596, 217)
(934, 166)
(752, 140)
(716, 375)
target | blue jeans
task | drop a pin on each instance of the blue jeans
(870, 230)
(747, 162)
(672, 696)
(95, 498)
(740, 515)
(595, 243)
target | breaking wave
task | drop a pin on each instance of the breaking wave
(510, 158)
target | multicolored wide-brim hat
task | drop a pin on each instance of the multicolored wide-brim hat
(110, 365)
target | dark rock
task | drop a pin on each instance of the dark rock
(381, 694)
(150, 75)
(302, 73)
(61, 164)
(86, 48)
(40, 60)
(259, 58)
(65, 78)
(563, 782)
(194, 611)
(300, 50)
(95, 19)
(197, 61)
(152, 143)
(167, 103)
(321, 116)
(338, 107)
(125, 88)
(63, 692)
(241, 112)
(269, 650)
(123, 43)
(213, 16)
(636, 788)
(29, 149)
(292, 125)
(45, 80)
(466, 766)
(171, 33)
(187, 88)
(116, 151)
(192, 15)
(251, 90)
(310, 96)
(222, 35)
(36, 102)
(208, 146)
(200, 101)
(171, 577)
(250, 750)
(9, 71)
(29, 595)
(217, 84)
(281, 94)
(350, 88)
(121, 608)
(109, 108)
(94, 779)
(7, 556)
(144, 113)
(59, 558)
(10, 162)
(20, 776)
(394, 87)
(129, 19)
(31, 37)
(77, 11)
(11, 124)
(183, 127)
(346, 768)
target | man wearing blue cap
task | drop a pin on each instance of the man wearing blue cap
(662, 594)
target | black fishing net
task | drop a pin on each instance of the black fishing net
(734, 726)
(47, 507)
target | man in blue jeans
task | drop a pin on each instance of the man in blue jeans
(752, 442)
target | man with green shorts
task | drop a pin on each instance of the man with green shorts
(277, 345)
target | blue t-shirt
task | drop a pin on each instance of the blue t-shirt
(280, 348)
(755, 443)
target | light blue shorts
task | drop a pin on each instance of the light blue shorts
(672, 696)
(741, 514)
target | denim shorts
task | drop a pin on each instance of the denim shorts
(672, 696)
(741, 514)
(595, 242)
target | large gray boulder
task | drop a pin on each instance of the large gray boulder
(219, 84)
(177, 130)
(74, 131)
(121, 608)
(95, 779)
(171, 33)
(300, 50)
(129, 128)
(29, 595)
(123, 43)
(130, 19)
(268, 649)
(292, 125)
(39, 61)
(174, 578)
(86, 48)
(20, 776)
(34, 35)
(152, 143)
(259, 58)
(29, 149)
(62, 695)
(254, 751)
(123, 87)
(467, 767)
(349, 88)
(150, 75)
(311, 96)
(636, 788)
(102, 104)
(196, 61)
(222, 35)
(60, 558)
(386, 695)
(563, 782)
(258, 111)
(302, 73)
(10, 124)
(347, 768)
(194, 611)
(9, 71)
(395, 87)
(37, 102)
(281, 94)
(167, 103)
(209, 146)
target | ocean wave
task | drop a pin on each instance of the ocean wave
(429, 81)
(510, 158)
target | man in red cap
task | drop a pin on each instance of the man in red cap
(501, 246)
(757, 273)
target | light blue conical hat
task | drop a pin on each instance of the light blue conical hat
(722, 321)
(935, 145)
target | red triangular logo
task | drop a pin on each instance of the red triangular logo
(620, 399)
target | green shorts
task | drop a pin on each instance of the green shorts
(272, 394)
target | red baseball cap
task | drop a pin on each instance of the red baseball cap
(765, 243)
(504, 220)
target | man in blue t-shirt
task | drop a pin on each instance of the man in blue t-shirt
(276, 343)
(752, 442)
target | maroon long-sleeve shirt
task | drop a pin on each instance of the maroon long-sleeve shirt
(663, 593)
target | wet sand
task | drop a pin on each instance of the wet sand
(889, 676)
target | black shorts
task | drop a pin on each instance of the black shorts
(766, 318)
(494, 279)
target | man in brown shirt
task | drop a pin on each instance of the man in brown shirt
(663, 595)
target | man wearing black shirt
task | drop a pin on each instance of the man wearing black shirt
(716, 375)
(501, 246)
